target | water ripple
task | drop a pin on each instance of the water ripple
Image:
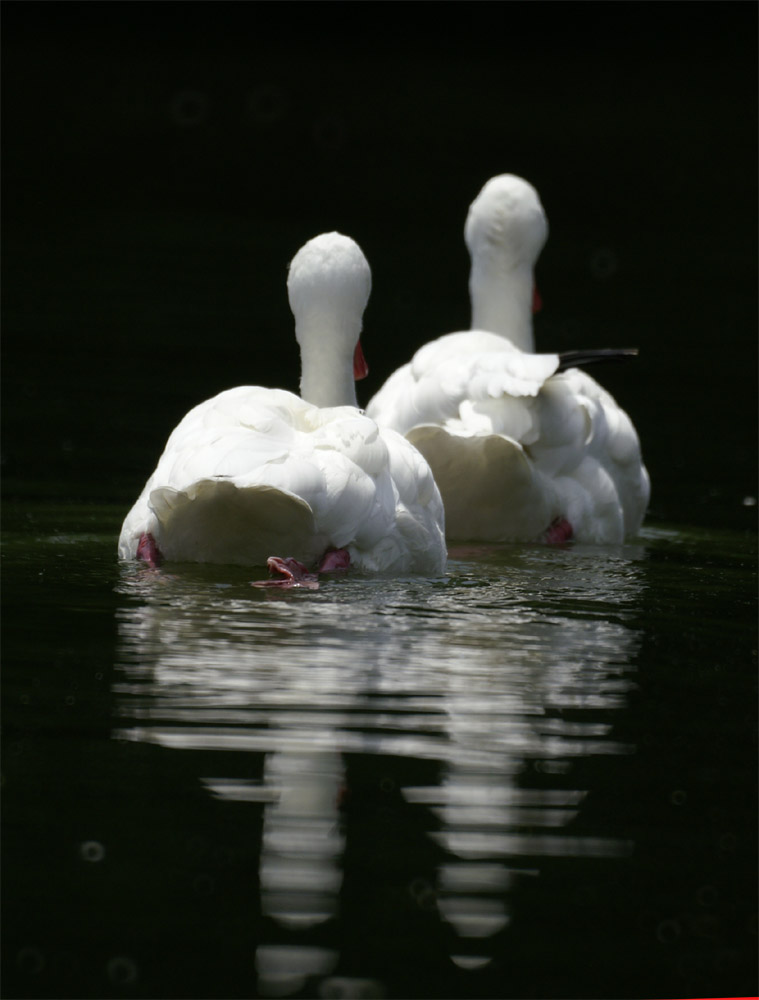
(501, 675)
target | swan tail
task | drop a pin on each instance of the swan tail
(217, 522)
(490, 488)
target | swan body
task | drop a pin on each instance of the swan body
(518, 442)
(255, 470)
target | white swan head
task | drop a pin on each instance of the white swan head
(506, 220)
(328, 287)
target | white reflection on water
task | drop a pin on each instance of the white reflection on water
(510, 668)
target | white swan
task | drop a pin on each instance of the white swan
(523, 447)
(257, 470)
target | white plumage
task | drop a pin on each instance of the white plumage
(256, 471)
(516, 444)
(505, 230)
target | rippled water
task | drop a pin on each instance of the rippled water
(534, 776)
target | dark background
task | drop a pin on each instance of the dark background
(161, 165)
(162, 162)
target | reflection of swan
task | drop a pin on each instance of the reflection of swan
(253, 470)
(503, 724)
(515, 666)
(522, 445)
(299, 870)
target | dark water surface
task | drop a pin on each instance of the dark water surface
(534, 777)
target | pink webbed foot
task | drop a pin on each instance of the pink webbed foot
(334, 561)
(148, 552)
(559, 531)
(291, 574)
(294, 574)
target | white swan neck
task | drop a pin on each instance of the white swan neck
(502, 303)
(326, 371)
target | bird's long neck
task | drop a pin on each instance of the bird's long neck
(502, 301)
(326, 370)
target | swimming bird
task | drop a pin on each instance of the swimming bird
(255, 470)
(523, 446)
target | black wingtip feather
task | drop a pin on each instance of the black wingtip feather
(578, 359)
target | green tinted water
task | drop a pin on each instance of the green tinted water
(532, 777)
